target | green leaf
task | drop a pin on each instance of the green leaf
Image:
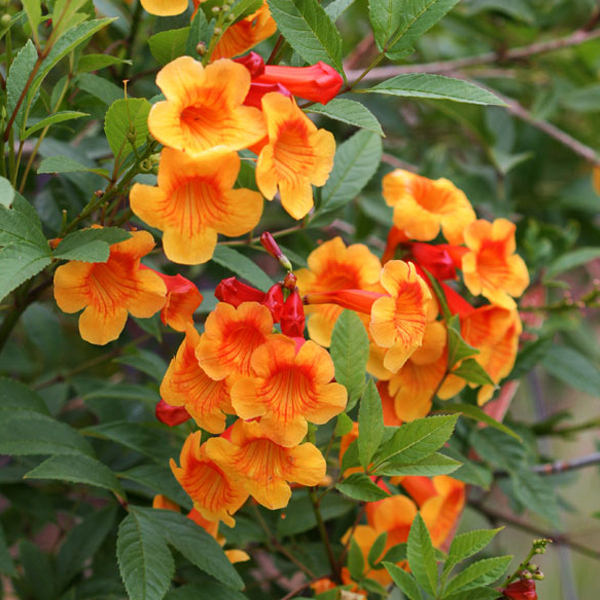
(201, 30)
(39, 574)
(244, 8)
(336, 8)
(96, 62)
(64, 164)
(90, 245)
(457, 347)
(477, 593)
(377, 549)
(474, 412)
(535, 492)
(356, 561)
(583, 100)
(33, 8)
(168, 45)
(7, 192)
(529, 356)
(20, 262)
(417, 17)
(208, 590)
(241, 265)
(467, 544)
(308, 30)
(471, 472)
(480, 573)
(16, 396)
(82, 542)
(421, 555)
(146, 362)
(416, 440)
(78, 469)
(343, 425)
(18, 77)
(350, 352)
(370, 424)
(7, 566)
(518, 9)
(434, 87)
(385, 17)
(356, 161)
(405, 582)
(571, 260)
(360, 487)
(573, 368)
(27, 433)
(59, 117)
(20, 223)
(350, 112)
(470, 370)
(435, 464)
(145, 562)
(126, 125)
(195, 544)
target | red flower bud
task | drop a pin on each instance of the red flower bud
(171, 415)
(292, 320)
(317, 83)
(289, 283)
(235, 292)
(436, 259)
(258, 90)
(274, 301)
(253, 62)
(270, 245)
(520, 590)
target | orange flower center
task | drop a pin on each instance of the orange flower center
(260, 460)
(292, 152)
(195, 202)
(426, 194)
(289, 392)
(111, 284)
(238, 346)
(206, 483)
(206, 118)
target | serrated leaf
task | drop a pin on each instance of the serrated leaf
(370, 424)
(480, 573)
(573, 368)
(417, 17)
(78, 469)
(127, 117)
(535, 492)
(435, 464)
(474, 412)
(201, 30)
(470, 370)
(242, 266)
(350, 112)
(350, 352)
(385, 17)
(405, 582)
(434, 87)
(20, 223)
(7, 192)
(168, 45)
(336, 8)
(82, 542)
(16, 396)
(457, 347)
(59, 117)
(377, 549)
(7, 567)
(145, 562)
(308, 30)
(356, 161)
(416, 440)
(64, 164)
(26, 433)
(356, 561)
(477, 593)
(96, 62)
(208, 590)
(18, 76)
(360, 487)
(90, 245)
(195, 544)
(421, 555)
(473, 473)
(99, 87)
(20, 262)
(467, 544)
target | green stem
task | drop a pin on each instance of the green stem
(335, 568)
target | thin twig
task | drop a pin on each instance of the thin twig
(561, 466)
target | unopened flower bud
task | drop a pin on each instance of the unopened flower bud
(146, 165)
(215, 9)
(217, 31)
(201, 48)
(293, 319)
(273, 300)
(235, 292)
(171, 415)
(5, 20)
(539, 576)
(289, 283)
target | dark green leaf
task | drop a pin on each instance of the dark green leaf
(146, 362)
(421, 555)
(377, 549)
(168, 45)
(370, 424)
(18, 76)
(405, 582)
(16, 396)
(242, 266)
(573, 368)
(360, 487)
(18, 263)
(479, 573)
(7, 566)
(59, 117)
(467, 544)
(435, 464)
(356, 561)
(208, 590)
(385, 17)
(64, 164)
(474, 412)
(350, 112)
(90, 245)
(95, 62)
(470, 370)
(529, 356)
(571, 260)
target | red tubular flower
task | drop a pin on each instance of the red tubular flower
(436, 259)
(520, 590)
(317, 83)
(235, 292)
(293, 319)
(171, 415)
(258, 90)
(273, 300)
(253, 62)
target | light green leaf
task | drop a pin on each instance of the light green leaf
(18, 76)
(421, 555)
(20, 262)
(457, 347)
(90, 245)
(535, 492)
(96, 62)
(16, 396)
(417, 17)
(7, 192)
(200, 548)
(33, 8)
(404, 581)
(64, 164)
(145, 562)
(479, 573)
(308, 30)
(467, 544)
(356, 161)
(434, 87)
(518, 9)
(416, 440)
(571, 260)
(350, 352)
(385, 17)
(337, 8)
(350, 112)
(435, 464)
(573, 368)
(127, 119)
(470, 370)
(99, 87)
(24, 433)
(201, 30)
(370, 423)
(241, 265)
(474, 412)
(343, 425)
(360, 487)
(59, 117)
(584, 99)
(168, 45)
(7, 566)
(78, 469)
